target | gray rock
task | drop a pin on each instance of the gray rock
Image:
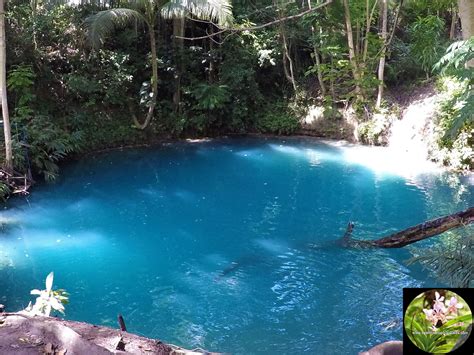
(394, 347)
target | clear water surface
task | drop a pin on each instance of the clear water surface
(226, 245)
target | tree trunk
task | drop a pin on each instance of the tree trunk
(352, 54)
(319, 73)
(413, 234)
(211, 77)
(178, 31)
(34, 8)
(466, 13)
(454, 20)
(154, 82)
(3, 91)
(317, 61)
(369, 15)
(357, 39)
(381, 70)
(287, 61)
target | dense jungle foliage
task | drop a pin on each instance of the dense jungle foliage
(80, 82)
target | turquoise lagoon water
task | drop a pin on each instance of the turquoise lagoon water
(227, 245)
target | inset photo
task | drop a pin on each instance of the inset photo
(438, 321)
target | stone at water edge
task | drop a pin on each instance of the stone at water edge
(394, 347)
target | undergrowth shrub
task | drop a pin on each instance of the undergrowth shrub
(455, 118)
(278, 122)
(39, 143)
(376, 130)
(426, 46)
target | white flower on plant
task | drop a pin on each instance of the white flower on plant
(47, 299)
(453, 305)
(441, 312)
(438, 305)
(438, 297)
(429, 314)
(435, 315)
(438, 313)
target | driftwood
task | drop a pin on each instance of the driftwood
(413, 234)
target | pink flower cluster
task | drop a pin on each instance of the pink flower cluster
(442, 311)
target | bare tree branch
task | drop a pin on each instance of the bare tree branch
(258, 27)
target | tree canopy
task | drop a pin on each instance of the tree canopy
(87, 75)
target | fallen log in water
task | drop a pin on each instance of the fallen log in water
(413, 234)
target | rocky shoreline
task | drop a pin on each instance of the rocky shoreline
(22, 334)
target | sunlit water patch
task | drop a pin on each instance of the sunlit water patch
(228, 245)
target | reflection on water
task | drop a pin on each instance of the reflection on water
(228, 245)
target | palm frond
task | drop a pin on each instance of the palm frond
(219, 11)
(452, 263)
(103, 23)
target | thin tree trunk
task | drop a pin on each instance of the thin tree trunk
(381, 70)
(3, 91)
(34, 8)
(352, 54)
(318, 62)
(178, 30)
(154, 82)
(287, 61)
(413, 234)
(369, 15)
(332, 85)
(454, 20)
(357, 39)
(319, 73)
(211, 57)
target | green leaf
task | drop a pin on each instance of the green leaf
(461, 319)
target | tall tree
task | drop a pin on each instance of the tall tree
(322, 86)
(383, 37)
(288, 67)
(3, 91)
(148, 12)
(178, 44)
(466, 13)
(352, 50)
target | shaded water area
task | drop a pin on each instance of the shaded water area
(229, 244)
